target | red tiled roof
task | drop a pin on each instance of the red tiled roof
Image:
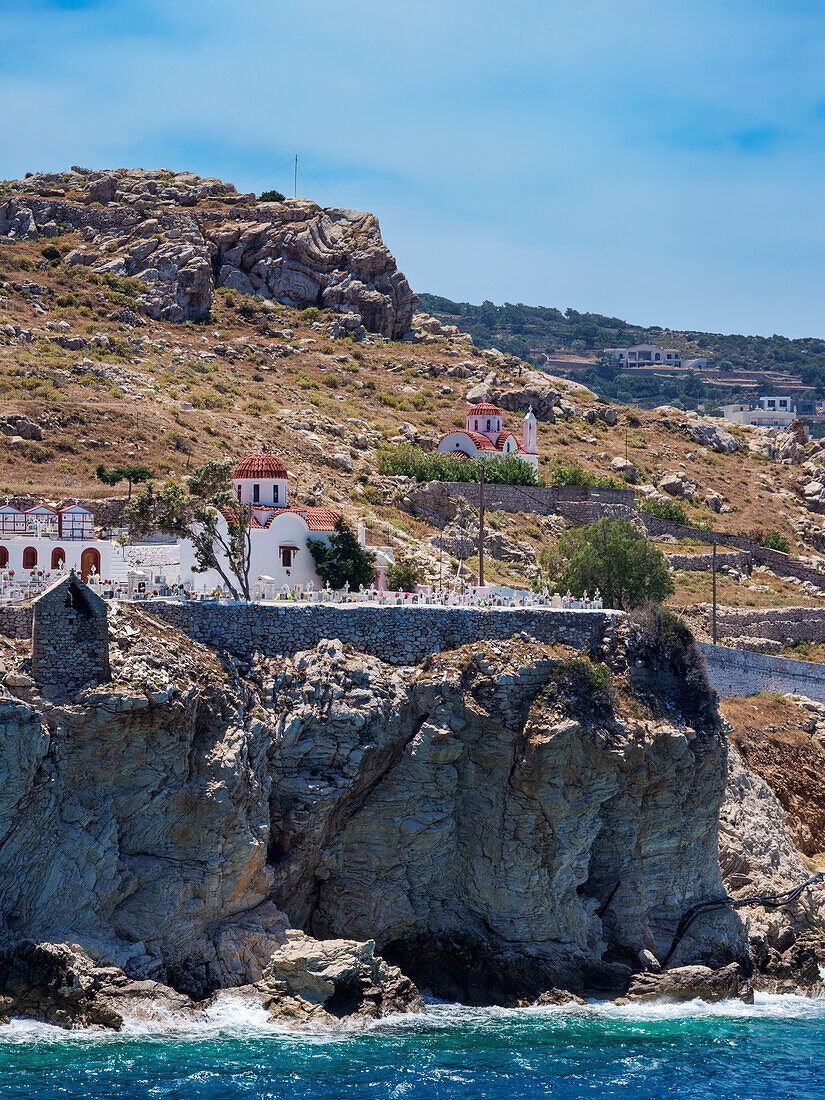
(260, 465)
(316, 519)
(484, 409)
(481, 441)
(503, 438)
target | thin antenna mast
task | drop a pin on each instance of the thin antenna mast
(295, 188)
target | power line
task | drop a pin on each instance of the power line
(274, 171)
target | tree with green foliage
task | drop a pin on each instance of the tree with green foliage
(402, 577)
(204, 510)
(271, 196)
(613, 556)
(343, 560)
(132, 474)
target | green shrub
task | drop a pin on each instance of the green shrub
(407, 460)
(50, 252)
(271, 196)
(372, 495)
(35, 452)
(771, 540)
(563, 473)
(402, 577)
(665, 509)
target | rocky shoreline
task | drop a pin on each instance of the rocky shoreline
(336, 839)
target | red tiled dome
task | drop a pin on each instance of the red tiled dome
(485, 409)
(262, 466)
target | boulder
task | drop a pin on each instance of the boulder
(324, 979)
(626, 468)
(689, 983)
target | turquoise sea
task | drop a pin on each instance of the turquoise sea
(773, 1049)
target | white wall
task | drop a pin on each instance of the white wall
(287, 528)
(44, 547)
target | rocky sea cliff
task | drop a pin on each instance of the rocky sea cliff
(331, 836)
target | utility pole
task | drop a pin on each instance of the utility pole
(441, 558)
(295, 188)
(481, 528)
(713, 566)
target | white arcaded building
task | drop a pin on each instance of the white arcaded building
(484, 437)
(42, 540)
(279, 556)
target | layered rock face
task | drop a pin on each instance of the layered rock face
(506, 818)
(498, 826)
(184, 236)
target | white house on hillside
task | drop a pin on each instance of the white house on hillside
(280, 557)
(484, 437)
(771, 412)
(649, 355)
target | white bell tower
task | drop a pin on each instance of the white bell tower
(529, 433)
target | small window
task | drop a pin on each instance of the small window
(29, 558)
(488, 425)
(256, 494)
(275, 494)
(239, 492)
(287, 553)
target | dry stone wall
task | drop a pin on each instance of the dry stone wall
(397, 635)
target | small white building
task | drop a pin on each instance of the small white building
(771, 412)
(279, 557)
(41, 540)
(484, 437)
(646, 355)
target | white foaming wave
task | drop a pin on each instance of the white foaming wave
(235, 1015)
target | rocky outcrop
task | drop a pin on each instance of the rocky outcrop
(758, 857)
(316, 981)
(505, 820)
(689, 983)
(60, 984)
(465, 862)
(183, 236)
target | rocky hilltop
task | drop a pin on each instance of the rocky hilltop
(184, 235)
(505, 822)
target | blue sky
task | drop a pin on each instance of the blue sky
(659, 160)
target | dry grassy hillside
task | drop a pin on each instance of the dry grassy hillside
(107, 385)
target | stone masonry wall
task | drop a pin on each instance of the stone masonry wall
(397, 635)
(740, 672)
(725, 559)
(16, 622)
(567, 500)
(780, 624)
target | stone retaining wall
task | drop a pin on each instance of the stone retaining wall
(740, 672)
(16, 622)
(725, 559)
(781, 564)
(578, 504)
(781, 624)
(398, 635)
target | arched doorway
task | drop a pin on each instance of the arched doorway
(4, 557)
(58, 557)
(30, 558)
(89, 558)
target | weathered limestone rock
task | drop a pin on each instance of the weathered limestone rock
(59, 983)
(688, 983)
(320, 980)
(757, 856)
(183, 236)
